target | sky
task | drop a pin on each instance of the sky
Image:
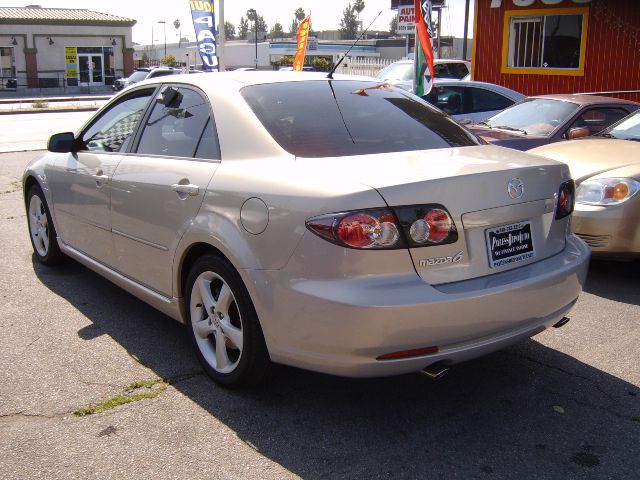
(325, 14)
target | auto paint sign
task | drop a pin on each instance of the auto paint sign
(204, 23)
(406, 20)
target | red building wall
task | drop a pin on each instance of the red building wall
(612, 57)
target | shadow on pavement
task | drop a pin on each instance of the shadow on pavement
(619, 281)
(527, 412)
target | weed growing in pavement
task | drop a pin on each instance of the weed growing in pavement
(40, 103)
(140, 390)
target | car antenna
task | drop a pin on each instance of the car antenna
(353, 45)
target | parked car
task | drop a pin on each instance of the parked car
(143, 73)
(469, 101)
(278, 217)
(546, 119)
(607, 172)
(401, 73)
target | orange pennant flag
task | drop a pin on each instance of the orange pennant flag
(303, 36)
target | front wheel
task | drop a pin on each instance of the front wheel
(41, 229)
(224, 326)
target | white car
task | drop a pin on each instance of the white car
(401, 73)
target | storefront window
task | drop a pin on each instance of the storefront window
(545, 41)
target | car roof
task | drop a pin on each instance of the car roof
(236, 80)
(585, 99)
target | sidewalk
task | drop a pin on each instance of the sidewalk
(10, 104)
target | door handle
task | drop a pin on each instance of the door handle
(189, 188)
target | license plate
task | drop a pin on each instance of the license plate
(509, 244)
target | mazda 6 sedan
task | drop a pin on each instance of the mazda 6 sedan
(334, 224)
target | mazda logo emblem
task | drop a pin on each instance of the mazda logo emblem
(515, 188)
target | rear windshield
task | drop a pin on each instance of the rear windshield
(138, 76)
(337, 118)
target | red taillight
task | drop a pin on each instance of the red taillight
(427, 225)
(566, 199)
(416, 352)
(423, 225)
(368, 229)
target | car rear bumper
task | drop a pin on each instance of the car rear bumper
(341, 325)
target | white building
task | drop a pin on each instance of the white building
(65, 49)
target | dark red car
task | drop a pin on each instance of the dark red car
(545, 119)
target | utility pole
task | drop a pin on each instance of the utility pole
(164, 24)
(221, 38)
(466, 30)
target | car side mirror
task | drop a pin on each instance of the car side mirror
(62, 143)
(578, 132)
(170, 97)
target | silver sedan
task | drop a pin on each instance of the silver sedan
(334, 224)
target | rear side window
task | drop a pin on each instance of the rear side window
(337, 118)
(160, 73)
(450, 70)
(486, 100)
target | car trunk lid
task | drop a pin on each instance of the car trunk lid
(472, 183)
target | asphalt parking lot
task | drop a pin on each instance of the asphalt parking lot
(564, 405)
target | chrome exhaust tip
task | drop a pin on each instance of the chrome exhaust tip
(435, 371)
(563, 321)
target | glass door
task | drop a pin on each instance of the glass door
(90, 69)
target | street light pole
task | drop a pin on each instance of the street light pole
(164, 24)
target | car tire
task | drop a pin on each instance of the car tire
(42, 232)
(223, 324)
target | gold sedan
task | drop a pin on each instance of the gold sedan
(606, 169)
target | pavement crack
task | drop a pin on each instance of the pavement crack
(608, 396)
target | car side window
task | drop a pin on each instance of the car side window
(113, 130)
(486, 100)
(597, 119)
(178, 126)
(450, 100)
(160, 73)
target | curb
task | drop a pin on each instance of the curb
(48, 110)
(88, 98)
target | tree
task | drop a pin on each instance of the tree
(276, 31)
(358, 6)
(349, 23)
(262, 25)
(176, 24)
(322, 64)
(393, 25)
(229, 30)
(169, 61)
(298, 16)
(243, 28)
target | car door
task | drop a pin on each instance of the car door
(593, 120)
(484, 103)
(80, 182)
(158, 188)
